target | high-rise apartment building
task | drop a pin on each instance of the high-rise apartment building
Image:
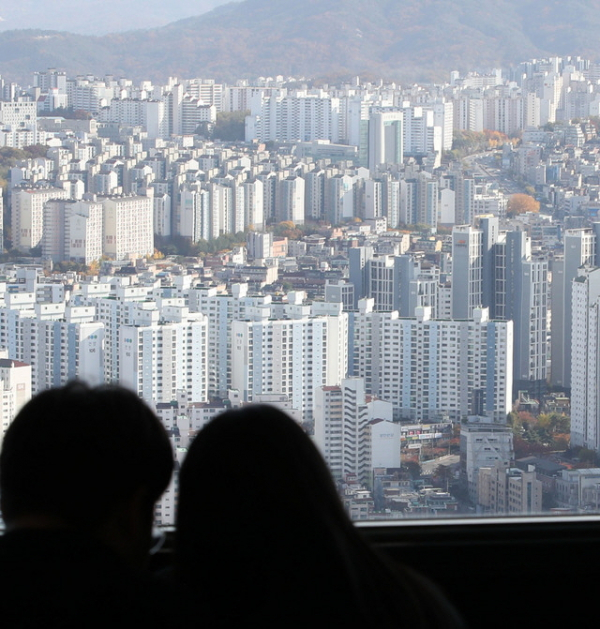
(28, 213)
(290, 199)
(467, 271)
(419, 200)
(59, 342)
(128, 227)
(194, 213)
(163, 351)
(344, 417)
(15, 390)
(432, 370)
(72, 230)
(221, 310)
(290, 356)
(585, 359)
(296, 117)
(115, 307)
(18, 122)
(521, 295)
(580, 248)
(254, 212)
(497, 271)
(386, 137)
(339, 198)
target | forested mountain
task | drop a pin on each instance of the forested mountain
(403, 39)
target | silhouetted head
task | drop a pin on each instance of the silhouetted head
(260, 526)
(85, 458)
(256, 463)
(262, 537)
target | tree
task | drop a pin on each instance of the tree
(68, 113)
(230, 126)
(413, 467)
(443, 474)
(520, 203)
(588, 457)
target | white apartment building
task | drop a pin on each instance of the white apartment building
(344, 418)
(580, 248)
(443, 117)
(504, 490)
(18, 123)
(290, 200)
(483, 445)
(467, 272)
(491, 203)
(28, 214)
(314, 196)
(89, 93)
(15, 390)
(162, 208)
(207, 91)
(70, 348)
(339, 198)
(420, 135)
(194, 213)
(128, 227)
(151, 114)
(419, 200)
(221, 310)
(59, 342)
(195, 112)
(254, 212)
(51, 79)
(72, 230)
(585, 359)
(381, 278)
(221, 217)
(269, 181)
(290, 353)
(163, 351)
(300, 117)
(386, 137)
(115, 307)
(433, 369)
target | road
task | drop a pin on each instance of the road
(428, 467)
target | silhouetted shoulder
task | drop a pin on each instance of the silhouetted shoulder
(64, 579)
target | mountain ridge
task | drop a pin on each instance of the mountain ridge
(408, 40)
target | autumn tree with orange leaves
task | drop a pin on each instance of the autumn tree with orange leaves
(520, 203)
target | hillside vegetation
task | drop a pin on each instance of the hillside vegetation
(409, 39)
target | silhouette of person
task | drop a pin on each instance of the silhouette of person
(263, 539)
(80, 471)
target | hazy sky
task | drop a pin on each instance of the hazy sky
(97, 17)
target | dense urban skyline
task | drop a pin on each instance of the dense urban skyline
(378, 259)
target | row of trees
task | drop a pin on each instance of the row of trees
(468, 142)
(182, 246)
(68, 113)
